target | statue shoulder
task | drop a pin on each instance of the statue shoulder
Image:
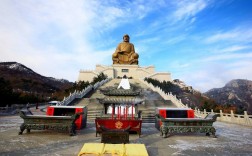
(128, 43)
(131, 44)
(125, 44)
(119, 45)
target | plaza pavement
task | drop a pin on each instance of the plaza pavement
(232, 140)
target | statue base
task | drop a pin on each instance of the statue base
(119, 70)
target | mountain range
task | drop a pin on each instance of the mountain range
(24, 79)
(237, 93)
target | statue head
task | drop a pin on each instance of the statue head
(126, 38)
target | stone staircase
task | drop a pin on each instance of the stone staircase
(148, 116)
(94, 108)
(93, 113)
(152, 101)
(149, 109)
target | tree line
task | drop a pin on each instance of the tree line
(194, 100)
(10, 96)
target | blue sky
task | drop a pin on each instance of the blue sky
(204, 43)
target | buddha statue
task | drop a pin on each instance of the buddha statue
(125, 53)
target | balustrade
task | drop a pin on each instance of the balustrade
(224, 117)
(80, 94)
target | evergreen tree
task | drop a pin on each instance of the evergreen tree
(99, 78)
(6, 93)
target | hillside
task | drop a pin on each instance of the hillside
(24, 80)
(186, 94)
(237, 92)
(236, 95)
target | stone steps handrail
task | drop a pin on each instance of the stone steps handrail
(80, 94)
(98, 84)
(166, 96)
(149, 76)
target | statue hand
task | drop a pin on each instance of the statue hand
(130, 54)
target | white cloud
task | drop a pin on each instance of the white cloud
(141, 8)
(215, 72)
(175, 40)
(233, 48)
(34, 33)
(240, 70)
(188, 8)
(222, 36)
(228, 56)
(58, 38)
(206, 76)
(27, 35)
(238, 35)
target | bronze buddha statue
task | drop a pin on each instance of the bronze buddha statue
(125, 53)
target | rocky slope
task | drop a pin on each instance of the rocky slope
(237, 92)
(22, 78)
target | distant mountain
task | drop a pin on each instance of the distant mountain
(24, 79)
(186, 94)
(237, 92)
(236, 95)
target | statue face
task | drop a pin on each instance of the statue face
(126, 38)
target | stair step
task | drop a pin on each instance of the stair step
(148, 121)
(94, 111)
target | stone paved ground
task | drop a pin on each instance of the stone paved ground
(232, 140)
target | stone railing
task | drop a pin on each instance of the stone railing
(88, 71)
(14, 108)
(224, 117)
(80, 94)
(229, 118)
(98, 84)
(9, 110)
(165, 96)
(76, 94)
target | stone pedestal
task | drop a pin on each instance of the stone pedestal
(131, 71)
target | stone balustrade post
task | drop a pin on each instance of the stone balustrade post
(232, 116)
(246, 118)
(221, 114)
(204, 111)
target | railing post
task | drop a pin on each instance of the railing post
(246, 118)
(232, 117)
(221, 115)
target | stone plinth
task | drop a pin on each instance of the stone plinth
(131, 71)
